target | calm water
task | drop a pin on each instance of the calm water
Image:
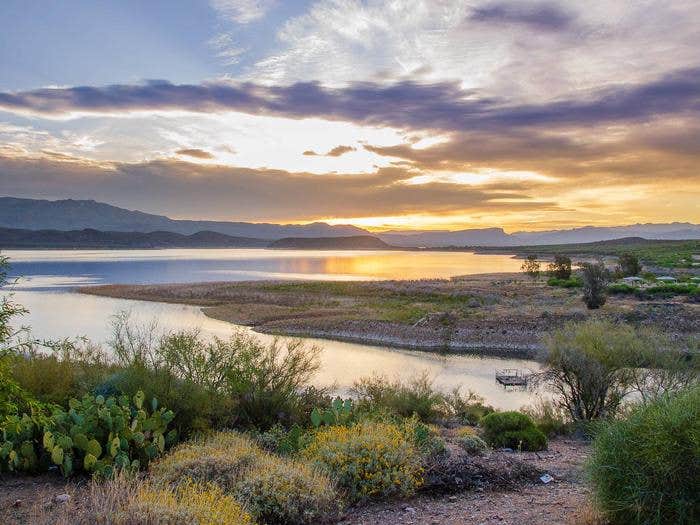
(55, 311)
(195, 265)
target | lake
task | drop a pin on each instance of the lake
(56, 311)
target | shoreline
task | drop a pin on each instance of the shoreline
(491, 315)
(288, 308)
(432, 345)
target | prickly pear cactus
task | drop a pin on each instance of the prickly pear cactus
(96, 435)
(100, 435)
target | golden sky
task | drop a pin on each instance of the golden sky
(387, 115)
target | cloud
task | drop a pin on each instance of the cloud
(340, 150)
(220, 192)
(196, 153)
(542, 15)
(406, 105)
(335, 152)
(243, 11)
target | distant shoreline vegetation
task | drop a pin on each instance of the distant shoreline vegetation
(662, 253)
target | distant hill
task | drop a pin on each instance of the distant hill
(89, 238)
(497, 237)
(354, 242)
(70, 215)
(33, 214)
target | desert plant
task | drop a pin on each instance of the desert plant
(467, 408)
(592, 366)
(645, 468)
(628, 265)
(368, 460)
(96, 435)
(549, 417)
(65, 370)
(273, 489)
(187, 503)
(531, 267)
(595, 278)
(560, 267)
(512, 430)
(338, 413)
(571, 282)
(472, 444)
(131, 500)
(400, 397)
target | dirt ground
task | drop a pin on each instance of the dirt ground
(561, 501)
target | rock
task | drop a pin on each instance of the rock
(62, 498)
(452, 498)
(410, 509)
(546, 478)
(17, 503)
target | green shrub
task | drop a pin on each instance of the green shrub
(282, 441)
(425, 437)
(594, 278)
(196, 408)
(550, 418)
(645, 468)
(274, 489)
(368, 460)
(560, 267)
(571, 282)
(14, 399)
(622, 288)
(401, 398)
(512, 430)
(70, 369)
(472, 444)
(467, 408)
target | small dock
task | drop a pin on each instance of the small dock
(511, 377)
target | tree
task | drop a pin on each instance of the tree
(585, 365)
(595, 278)
(531, 266)
(560, 267)
(628, 265)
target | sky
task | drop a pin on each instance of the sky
(525, 115)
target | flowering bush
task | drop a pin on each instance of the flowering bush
(369, 460)
(188, 503)
(273, 489)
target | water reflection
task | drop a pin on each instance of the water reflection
(191, 265)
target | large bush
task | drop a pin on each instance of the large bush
(595, 278)
(513, 430)
(368, 460)
(273, 489)
(592, 366)
(67, 369)
(646, 468)
(217, 383)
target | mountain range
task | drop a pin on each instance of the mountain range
(74, 215)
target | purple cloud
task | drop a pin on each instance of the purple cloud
(542, 16)
(407, 105)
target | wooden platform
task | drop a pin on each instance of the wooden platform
(511, 377)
